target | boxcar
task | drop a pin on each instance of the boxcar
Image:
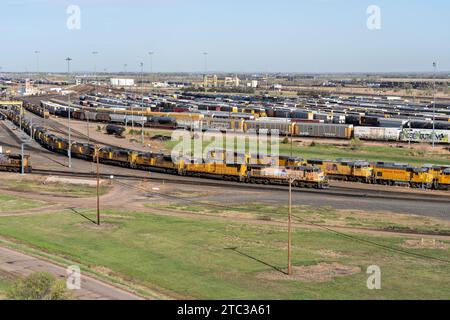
(323, 130)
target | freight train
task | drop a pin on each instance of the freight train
(386, 173)
(245, 172)
(254, 168)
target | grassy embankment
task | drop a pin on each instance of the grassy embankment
(53, 188)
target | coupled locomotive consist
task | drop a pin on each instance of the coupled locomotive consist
(386, 173)
(245, 172)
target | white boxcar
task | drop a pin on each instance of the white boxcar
(375, 133)
(425, 135)
(323, 130)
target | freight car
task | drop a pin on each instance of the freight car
(115, 130)
(376, 133)
(282, 126)
(425, 135)
(324, 130)
(13, 162)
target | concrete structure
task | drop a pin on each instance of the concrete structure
(117, 82)
(252, 84)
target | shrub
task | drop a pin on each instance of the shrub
(355, 144)
(39, 286)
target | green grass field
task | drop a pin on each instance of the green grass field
(11, 203)
(4, 284)
(323, 216)
(213, 259)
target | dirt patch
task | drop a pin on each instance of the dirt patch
(321, 272)
(425, 244)
(331, 254)
(102, 270)
(82, 182)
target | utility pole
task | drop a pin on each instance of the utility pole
(22, 171)
(409, 133)
(142, 99)
(291, 142)
(291, 180)
(37, 63)
(151, 65)
(434, 101)
(97, 149)
(95, 53)
(205, 55)
(69, 151)
(291, 145)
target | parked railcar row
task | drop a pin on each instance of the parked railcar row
(292, 127)
(373, 112)
(305, 176)
(47, 107)
(332, 108)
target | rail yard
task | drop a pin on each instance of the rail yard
(227, 156)
(124, 142)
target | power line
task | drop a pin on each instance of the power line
(373, 243)
(369, 242)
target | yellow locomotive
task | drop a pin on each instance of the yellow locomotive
(13, 162)
(391, 173)
(441, 176)
(443, 181)
(342, 169)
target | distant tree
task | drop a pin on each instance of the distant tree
(39, 286)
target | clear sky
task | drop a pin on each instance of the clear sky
(239, 35)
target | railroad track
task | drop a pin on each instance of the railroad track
(336, 191)
(63, 129)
